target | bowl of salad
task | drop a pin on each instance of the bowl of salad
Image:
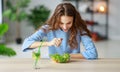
(64, 58)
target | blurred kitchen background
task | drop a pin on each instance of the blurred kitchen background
(23, 16)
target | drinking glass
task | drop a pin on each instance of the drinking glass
(36, 59)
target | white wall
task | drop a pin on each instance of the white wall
(26, 29)
(114, 17)
(51, 4)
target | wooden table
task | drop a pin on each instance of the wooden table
(46, 65)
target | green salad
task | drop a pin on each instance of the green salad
(60, 58)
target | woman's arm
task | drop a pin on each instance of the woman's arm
(37, 44)
(77, 56)
(55, 42)
(90, 49)
(36, 37)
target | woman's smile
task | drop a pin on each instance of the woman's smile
(66, 23)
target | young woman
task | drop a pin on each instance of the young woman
(65, 30)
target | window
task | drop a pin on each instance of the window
(0, 11)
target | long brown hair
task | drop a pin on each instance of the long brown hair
(68, 9)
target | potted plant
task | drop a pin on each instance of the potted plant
(38, 16)
(6, 51)
(16, 13)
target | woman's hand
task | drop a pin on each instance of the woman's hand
(56, 42)
(77, 56)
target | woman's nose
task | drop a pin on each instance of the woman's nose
(64, 26)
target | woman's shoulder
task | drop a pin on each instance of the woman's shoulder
(44, 28)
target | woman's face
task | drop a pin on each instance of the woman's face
(66, 23)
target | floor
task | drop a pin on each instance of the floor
(106, 49)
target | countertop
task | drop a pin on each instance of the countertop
(46, 65)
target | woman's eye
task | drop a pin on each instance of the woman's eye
(68, 23)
